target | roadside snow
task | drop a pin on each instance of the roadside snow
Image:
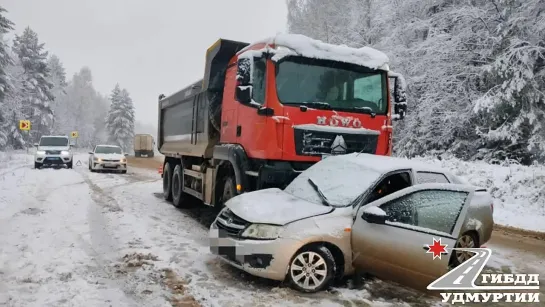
(518, 191)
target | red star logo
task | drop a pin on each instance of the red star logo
(437, 249)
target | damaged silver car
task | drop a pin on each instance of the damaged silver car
(372, 213)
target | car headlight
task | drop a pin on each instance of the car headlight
(262, 231)
(40, 152)
(65, 153)
(123, 160)
(97, 159)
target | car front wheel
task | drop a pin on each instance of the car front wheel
(312, 269)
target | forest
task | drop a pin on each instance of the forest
(34, 87)
(475, 69)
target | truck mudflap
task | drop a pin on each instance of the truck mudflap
(236, 155)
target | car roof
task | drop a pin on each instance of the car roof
(386, 164)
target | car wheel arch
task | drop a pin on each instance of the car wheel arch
(336, 251)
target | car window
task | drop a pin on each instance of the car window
(53, 141)
(431, 209)
(390, 184)
(108, 150)
(429, 177)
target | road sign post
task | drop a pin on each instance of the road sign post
(75, 135)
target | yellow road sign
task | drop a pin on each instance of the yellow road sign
(74, 134)
(24, 124)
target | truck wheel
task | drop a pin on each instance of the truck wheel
(167, 182)
(137, 154)
(151, 154)
(178, 194)
(37, 165)
(229, 190)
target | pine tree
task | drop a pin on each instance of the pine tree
(58, 79)
(5, 26)
(36, 87)
(120, 119)
(5, 60)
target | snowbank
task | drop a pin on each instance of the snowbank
(519, 191)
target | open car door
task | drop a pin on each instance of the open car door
(391, 236)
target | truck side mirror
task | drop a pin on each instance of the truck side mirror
(400, 96)
(243, 93)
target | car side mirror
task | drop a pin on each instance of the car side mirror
(90, 152)
(243, 93)
(36, 144)
(374, 215)
(126, 155)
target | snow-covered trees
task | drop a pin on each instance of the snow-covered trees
(34, 87)
(120, 118)
(476, 69)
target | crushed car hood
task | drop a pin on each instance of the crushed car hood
(274, 206)
(110, 156)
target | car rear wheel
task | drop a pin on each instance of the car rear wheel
(467, 240)
(37, 165)
(312, 269)
(167, 182)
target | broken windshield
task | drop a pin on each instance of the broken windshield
(323, 84)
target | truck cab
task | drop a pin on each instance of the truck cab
(264, 112)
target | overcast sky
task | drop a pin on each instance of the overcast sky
(149, 47)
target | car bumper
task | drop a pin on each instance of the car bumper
(53, 159)
(109, 165)
(264, 258)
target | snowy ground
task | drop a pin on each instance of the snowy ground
(75, 238)
(519, 191)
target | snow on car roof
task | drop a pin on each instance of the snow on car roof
(54, 136)
(108, 146)
(386, 164)
(297, 44)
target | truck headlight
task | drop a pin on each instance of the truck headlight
(40, 152)
(65, 153)
(262, 231)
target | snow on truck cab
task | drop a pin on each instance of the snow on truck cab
(265, 112)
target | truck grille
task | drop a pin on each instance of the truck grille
(53, 152)
(317, 143)
(231, 224)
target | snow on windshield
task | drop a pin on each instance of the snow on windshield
(108, 150)
(340, 180)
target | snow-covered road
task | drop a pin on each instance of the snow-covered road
(75, 238)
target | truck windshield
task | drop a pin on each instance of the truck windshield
(323, 84)
(108, 150)
(53, 141)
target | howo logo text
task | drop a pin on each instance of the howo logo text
(337, 121)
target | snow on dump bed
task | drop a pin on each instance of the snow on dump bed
(297, 44)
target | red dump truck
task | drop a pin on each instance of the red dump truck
(265, 112)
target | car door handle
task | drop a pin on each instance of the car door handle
(425, 247)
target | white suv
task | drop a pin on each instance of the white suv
(53, 150)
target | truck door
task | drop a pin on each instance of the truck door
(251, 130)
